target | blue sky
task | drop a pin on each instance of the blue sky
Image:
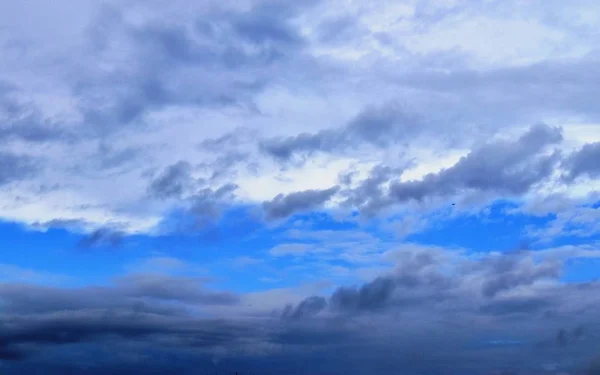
(306, 187)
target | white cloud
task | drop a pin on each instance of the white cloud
(295, 249)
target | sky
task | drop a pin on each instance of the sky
(300, 187)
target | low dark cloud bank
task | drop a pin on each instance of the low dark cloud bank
(433, 312)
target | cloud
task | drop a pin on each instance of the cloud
(430, 278)
(437, 292)
(306, 308)
(370, 296)
(177, 289)
(16, 167)
(172, 182)
(83, 327)
(583, 162)
(574, 221)
(375, 126)
(283, 206)
(148, 293)
(249, 83)
(509, 272)
(196, 122)
(226, 55)
(206, 204)
(25, 121)
(101, 237)
(294, 249)
(501, 167)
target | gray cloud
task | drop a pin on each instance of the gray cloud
(234, 46)
(370, 296)
(16, 167)
(528, 92)
(110, 158)
(501, 167)
(71, 224)
(90, 326)
(227, 152)
(137, 291)
(283, 206)
(521, 306)
(376, 126)
(172, 182)
(583, 162)
(175, 289)
(485, 286)
(25, 121)
(306, 308)
(206, 204)
(367, 194)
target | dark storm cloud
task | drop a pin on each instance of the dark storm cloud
(91, 326)
(376, 126)
(283, 206)
(584, 162)
(138, 309)
(133, 308)
(16, 167)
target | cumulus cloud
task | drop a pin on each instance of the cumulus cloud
(506, 168)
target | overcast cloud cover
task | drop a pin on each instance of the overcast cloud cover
(299, 187)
